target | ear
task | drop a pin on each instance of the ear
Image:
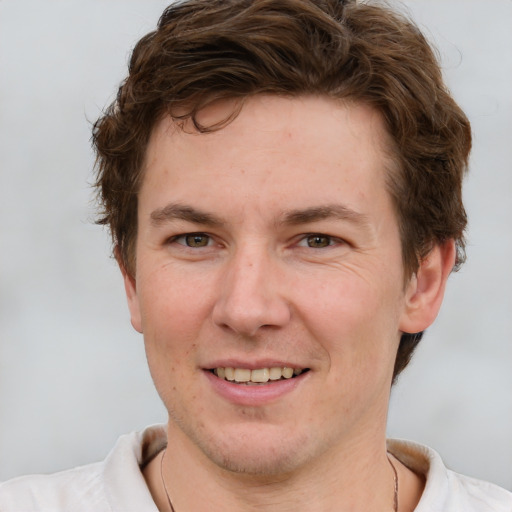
(130, 287)
(425, 290)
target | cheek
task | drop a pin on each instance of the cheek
(173, 310)
(172, 320)
(352, 317)
(340, 299)
(174, 304)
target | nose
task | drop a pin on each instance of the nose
(251, 294)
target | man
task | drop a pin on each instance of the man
(282, 180)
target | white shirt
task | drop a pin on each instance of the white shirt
(117, 483)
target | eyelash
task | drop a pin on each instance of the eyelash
(186, 236)
(329, 240)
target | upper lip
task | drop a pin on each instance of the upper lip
(252, 365)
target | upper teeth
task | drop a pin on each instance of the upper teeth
(259, 375)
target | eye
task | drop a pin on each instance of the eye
(318, 241)
(193, 240)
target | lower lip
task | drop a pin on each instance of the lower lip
(260, 394)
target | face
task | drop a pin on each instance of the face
(269, 244)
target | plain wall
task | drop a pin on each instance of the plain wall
(73, 375)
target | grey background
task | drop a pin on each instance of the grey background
(73, 375)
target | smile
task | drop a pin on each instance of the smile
(257, 376)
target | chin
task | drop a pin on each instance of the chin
(259, 462)
(259, 453)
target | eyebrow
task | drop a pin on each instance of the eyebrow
(317, 213)
(175, 211)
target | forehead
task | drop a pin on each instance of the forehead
(284, 148)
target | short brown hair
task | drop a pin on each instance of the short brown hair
(206, 50)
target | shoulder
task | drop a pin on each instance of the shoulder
(483, 496)
(115, 484)
(446, 490)
(77, 489)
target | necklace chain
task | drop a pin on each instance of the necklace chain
(395, 494)
(163, 480)
(395, 478)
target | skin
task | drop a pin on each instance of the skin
(274, 275)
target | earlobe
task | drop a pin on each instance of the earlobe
(130, 286)
(425, 290)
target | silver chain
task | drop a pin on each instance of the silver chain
(395, 477)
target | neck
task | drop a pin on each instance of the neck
(335, 481)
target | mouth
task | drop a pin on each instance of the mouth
(259, 376)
